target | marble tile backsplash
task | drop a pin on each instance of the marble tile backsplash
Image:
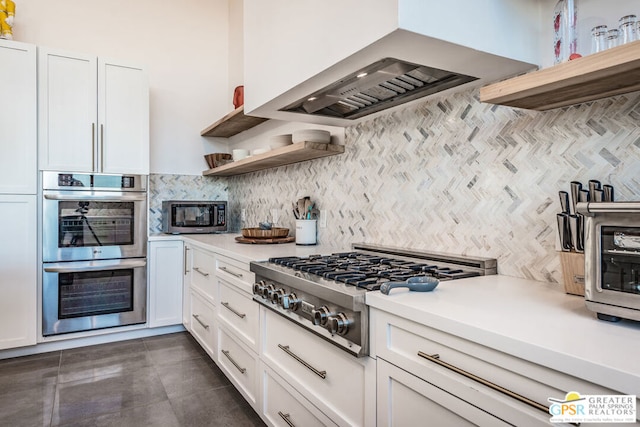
(455, 175)
(450, 174)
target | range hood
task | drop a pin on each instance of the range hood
(399, 51)
(381, 85)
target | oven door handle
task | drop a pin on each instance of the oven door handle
(77, 267)
(95, 196)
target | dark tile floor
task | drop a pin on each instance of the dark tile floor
(161, 381)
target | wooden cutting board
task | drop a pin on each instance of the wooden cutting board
(272, 241)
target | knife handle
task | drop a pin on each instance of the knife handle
(608, 193)
(428, 286)
(594, 185)
(575, 192)
(564, 201)
(564, 232)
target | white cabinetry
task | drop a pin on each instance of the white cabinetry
(333, 381)
(238, 320)
(94, 114)
(166, 269)
(18, 120)
(18, 269)
(202, 297)
(421, 367)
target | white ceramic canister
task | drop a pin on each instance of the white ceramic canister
(306, 231)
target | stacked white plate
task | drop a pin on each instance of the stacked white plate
(277, 141)
(311, 135)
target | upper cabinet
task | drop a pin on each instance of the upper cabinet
(306, 61)
(611, 72)
(18, 121)
(93, 114)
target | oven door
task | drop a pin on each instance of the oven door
(88, 295)
(86, 225)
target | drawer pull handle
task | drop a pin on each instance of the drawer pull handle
(186, 257)
(286, 419)
(197, 317)
(435, 358)
(201, 272)
(321, 374)
(226, 353)
(234, 311)
(226, 270)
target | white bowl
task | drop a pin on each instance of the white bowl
(239, 154)
(260, 151)
(278, 141)
(311, 135)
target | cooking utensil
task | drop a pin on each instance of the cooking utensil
(416, 284)
(564, 201)
(575, 192)
(564, 231)
(608, 193)
(583, 196)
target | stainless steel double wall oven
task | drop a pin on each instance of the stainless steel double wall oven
(94, 248)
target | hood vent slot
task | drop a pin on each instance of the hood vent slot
(383, 84)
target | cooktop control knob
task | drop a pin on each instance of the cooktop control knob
(290, 302)
(267, 291)
(258, 287)
(277, 295)
(338, 324)
(321, 315)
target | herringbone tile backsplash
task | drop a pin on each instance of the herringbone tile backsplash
(456, 175)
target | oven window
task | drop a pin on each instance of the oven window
(95, 292)
(621, 273)
(95, 223)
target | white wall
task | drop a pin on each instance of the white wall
(183, 45)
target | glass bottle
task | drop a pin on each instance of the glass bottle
(598, 38)
(627, 29)
(612, 38)
(564, 26)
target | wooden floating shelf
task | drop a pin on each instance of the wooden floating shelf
(232, 124)
(282, 156)
(611, 72)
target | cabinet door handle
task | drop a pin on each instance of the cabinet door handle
(435, 358)
(101, 148)
(321, 374)
(197, 317)
(93, 145)
(286, 418)
(201, 272)
(226, 270)
(226, 353)
(186, 257)
(234, 311)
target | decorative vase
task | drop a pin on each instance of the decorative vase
(564, 30)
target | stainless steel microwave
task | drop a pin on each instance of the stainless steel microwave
(193, 216)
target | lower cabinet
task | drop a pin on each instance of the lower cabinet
(406, 400)
(166, 268)
(18, 269)
(203, 323)
(282, 405)
(240, 365)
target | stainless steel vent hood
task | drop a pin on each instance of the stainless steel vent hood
(381, 85)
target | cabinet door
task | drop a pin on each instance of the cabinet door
(18, 270)
(165, 283)
(67, 103)
(123, 116)
(406, 400)
(18, 121)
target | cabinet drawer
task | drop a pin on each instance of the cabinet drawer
(239, 364)
(203, 273)
(203, 326)
(236, 273)
(333, 380)
(283, 406)
(240, 313)
(406, 400)
(399, 342)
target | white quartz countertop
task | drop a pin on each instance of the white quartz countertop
(226, 244)
(531, 320)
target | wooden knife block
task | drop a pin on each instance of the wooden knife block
(572, 264)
